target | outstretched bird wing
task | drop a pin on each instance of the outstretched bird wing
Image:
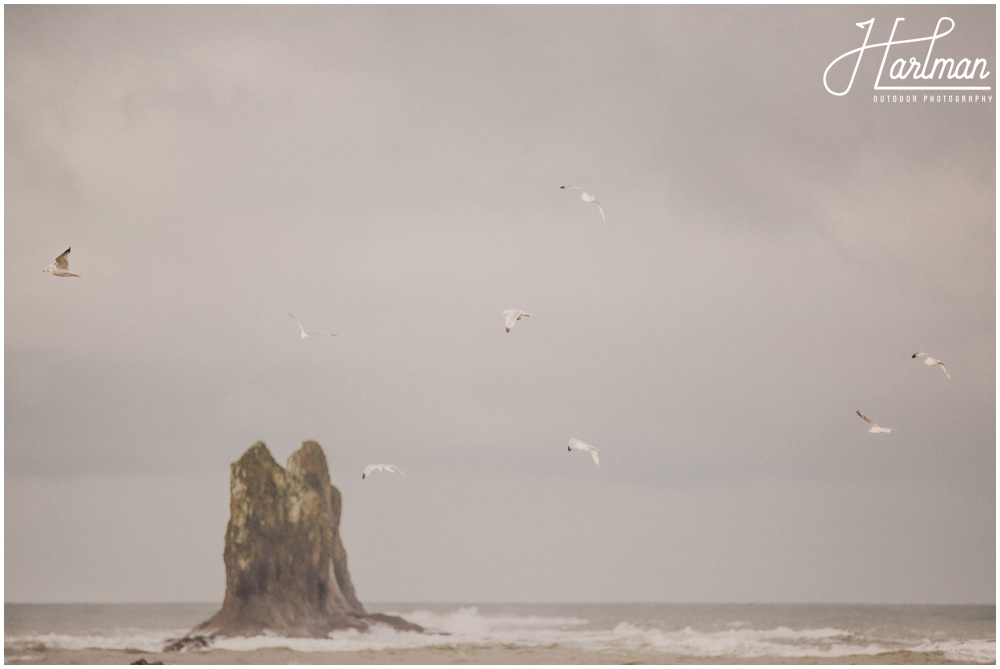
(600, 209)
(866, 418)
(512, 315)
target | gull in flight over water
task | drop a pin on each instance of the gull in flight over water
(874, 429)
(306, 335)
(583, 446)
(587, 197)
(61, 266)
(392, 469)
(513, 316)
(928, 360)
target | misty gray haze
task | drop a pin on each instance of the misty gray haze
(773, 255)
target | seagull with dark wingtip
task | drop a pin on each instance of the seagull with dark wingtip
(928, 360)
(584, 446)
(587, 197)
(392, 469)
(513, 316)
(61, 265)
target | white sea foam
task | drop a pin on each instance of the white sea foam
(24, 659)
(961, 651)
(379, 637)
(782, 642)
(742, 642)
(468, 619)
(463, 626)
(467, 626)
(130, 638)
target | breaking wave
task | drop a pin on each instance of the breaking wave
(467, 627)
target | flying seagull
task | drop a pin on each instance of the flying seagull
(392, 469)
(582, 446)
(587, 197)
(874, 429)
(306, 335)
(513, 316)
(928, 360)
(61, 266)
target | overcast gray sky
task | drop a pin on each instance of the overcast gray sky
(773, 255)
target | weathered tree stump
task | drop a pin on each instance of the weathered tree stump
(286, 567)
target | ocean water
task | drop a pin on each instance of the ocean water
(570, 633)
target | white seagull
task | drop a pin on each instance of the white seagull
(392, 469)
(306, 335)
(928, 360)
(61, 266)
(513, 316)
(583, 446)
(874, 429)
(587, 197)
